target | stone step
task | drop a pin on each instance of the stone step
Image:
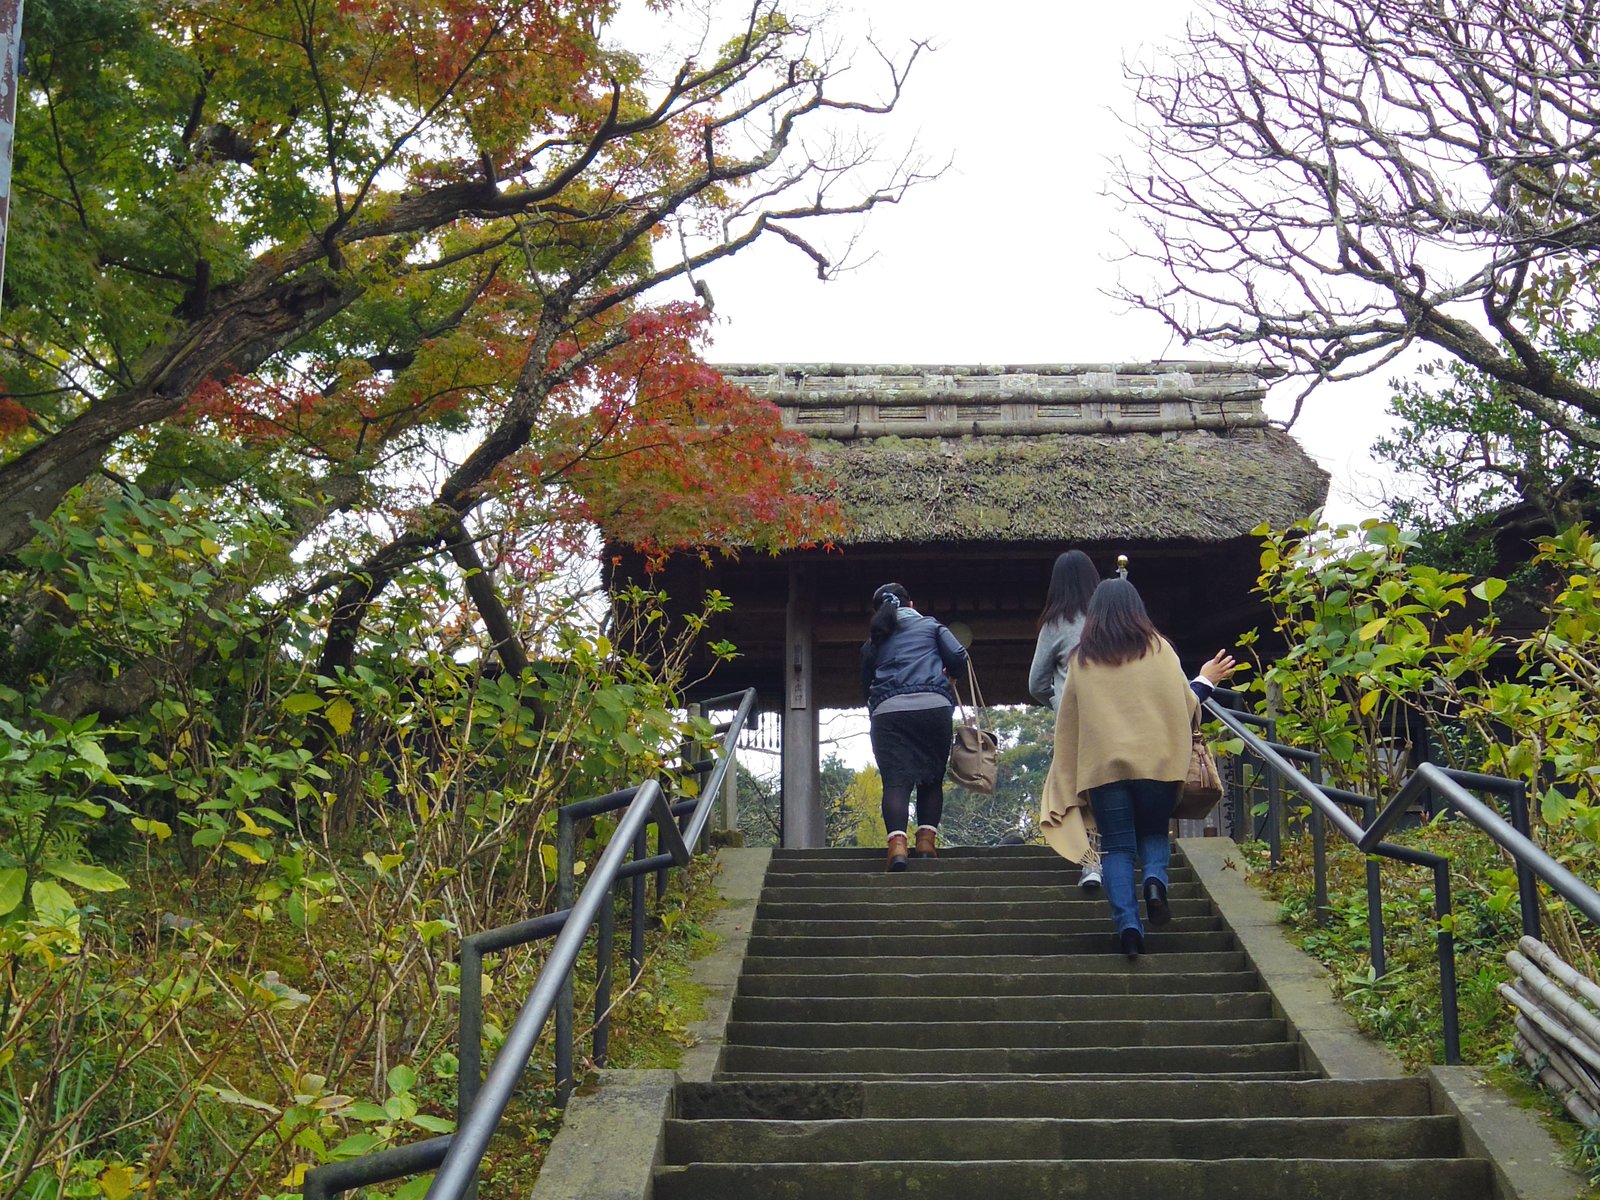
(962, 1078)
(912, 908)
(877, 861)
(827, 925)
(989, 945)
(852, 981)
(908, 888)
(1026, 1138)
(920, 1010)
(1024, 1060)
(928, 876)
(1003, 854)
(1099, 960)
(1016, 874)
(1115, 1179)
(1177, 1099)
(1000, 1035)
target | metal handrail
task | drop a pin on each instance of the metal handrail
(457, 1156)
(1429, 779)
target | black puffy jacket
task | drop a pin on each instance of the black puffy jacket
(913, 658)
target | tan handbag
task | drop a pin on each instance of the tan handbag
(1202, 789)
(974, 752)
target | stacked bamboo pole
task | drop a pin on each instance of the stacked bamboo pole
(1557, 1026)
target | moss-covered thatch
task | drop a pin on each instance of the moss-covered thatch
(1071, 487)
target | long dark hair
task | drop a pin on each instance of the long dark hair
(1072, 581)
(886, 602)
(1116, 627)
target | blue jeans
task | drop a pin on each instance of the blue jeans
(1132, 815)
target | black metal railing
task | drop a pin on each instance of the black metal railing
(1430, 785)
(481, 1100)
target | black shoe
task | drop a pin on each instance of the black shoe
(1156, 908)
(1132, 943)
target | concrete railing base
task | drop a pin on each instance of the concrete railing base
(610, 1139)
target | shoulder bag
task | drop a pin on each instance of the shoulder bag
(974, 752)
(1202, 788)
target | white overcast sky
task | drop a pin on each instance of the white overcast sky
(1008, 257)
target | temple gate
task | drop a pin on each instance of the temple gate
(964, 483)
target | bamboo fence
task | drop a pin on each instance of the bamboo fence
(1557, 1026)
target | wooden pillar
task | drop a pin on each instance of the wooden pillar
(802, 790)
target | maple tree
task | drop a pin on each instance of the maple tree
(399, 258)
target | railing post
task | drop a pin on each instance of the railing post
(637, 915)
(566, 890)
(1447, 963)
(1322, 909)
(469, 1042)
(728, 803)
(1274, 802)
(1527, 884)
(603, 954)
(1375, 948)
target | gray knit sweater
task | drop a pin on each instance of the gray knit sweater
(1048, 673)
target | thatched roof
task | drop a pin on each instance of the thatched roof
(1199, 486)
(1081, 452)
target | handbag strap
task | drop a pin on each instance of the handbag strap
(969, 717)
(972, 682)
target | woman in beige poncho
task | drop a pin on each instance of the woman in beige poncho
(1122, 744)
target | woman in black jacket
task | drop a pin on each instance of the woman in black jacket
(904, 665)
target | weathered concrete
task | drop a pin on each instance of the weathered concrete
(1301, 987)
(739, 882)
(1528, 1163)
(610, 1140)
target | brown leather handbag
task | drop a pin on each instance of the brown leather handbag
(1202, 789)
(974, 752)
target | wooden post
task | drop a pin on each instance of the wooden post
(802, 783)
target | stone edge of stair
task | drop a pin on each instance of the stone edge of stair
(610, 1140)
(1301, 987)
(1527, 1161)
(739, 881)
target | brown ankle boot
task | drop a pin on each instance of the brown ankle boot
(897, 852)
(925, 842)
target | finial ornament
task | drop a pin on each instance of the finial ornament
(1122, 566)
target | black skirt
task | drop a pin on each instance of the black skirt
(912, 747)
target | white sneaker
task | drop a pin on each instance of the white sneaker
(1089, 880)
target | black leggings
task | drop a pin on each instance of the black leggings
(897, 804)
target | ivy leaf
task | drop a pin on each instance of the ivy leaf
(246, 852)
(159, 830)
(1490, 590)
(86, 875)
(12, 882)
(1555, 808)
(340, 714)
(414, 1189)
(355, 1146)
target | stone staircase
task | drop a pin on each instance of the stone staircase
(964, 1031)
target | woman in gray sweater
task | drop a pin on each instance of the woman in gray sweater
(1072, 581)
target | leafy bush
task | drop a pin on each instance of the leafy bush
(228, 912)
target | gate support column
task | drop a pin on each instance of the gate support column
(802, 799)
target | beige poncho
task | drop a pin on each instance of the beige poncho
(1125, 722)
